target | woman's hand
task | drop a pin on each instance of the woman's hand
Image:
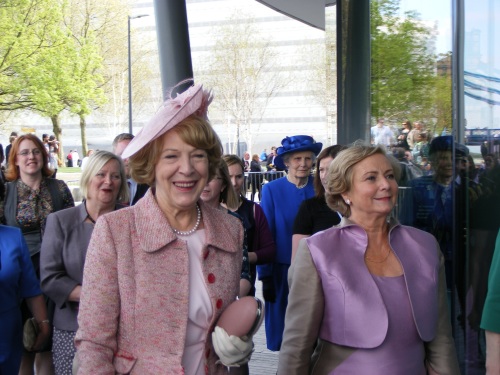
(44, 329)
(38, 308)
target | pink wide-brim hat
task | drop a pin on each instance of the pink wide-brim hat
(194, 100)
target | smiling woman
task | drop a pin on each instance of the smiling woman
(185, 256)
(31, 195)
(365, 277)
(64, 247)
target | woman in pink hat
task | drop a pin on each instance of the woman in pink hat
(159, 274)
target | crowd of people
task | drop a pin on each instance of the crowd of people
(134, 279)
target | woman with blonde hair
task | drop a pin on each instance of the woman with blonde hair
(356, 289)
(67, 234)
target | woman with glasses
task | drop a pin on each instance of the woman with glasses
(30, 197)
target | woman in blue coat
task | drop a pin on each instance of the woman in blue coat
(17, 281)
(281, 199)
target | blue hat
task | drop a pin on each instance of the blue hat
(297, 143)
(445, 143)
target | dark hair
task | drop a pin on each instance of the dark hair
(228, 196)
(399, 153)
(407, 123)
(331, 152)
(122, 137)
(12, 172)
(232, 159)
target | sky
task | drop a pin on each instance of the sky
(432, 11)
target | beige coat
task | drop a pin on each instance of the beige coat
(134, 303)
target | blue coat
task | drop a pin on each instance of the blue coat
(280, 201)
(17, 281)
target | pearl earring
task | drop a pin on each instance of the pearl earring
(348, 202)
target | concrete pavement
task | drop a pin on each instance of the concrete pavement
(264, 361)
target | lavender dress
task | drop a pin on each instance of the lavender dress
(402, 351)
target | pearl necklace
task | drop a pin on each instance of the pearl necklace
(190, 232)
(298, 187)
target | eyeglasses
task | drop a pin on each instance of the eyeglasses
(25, 153)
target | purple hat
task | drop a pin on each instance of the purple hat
(297, 143)
(194, 100)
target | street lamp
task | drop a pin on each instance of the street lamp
(130, 75)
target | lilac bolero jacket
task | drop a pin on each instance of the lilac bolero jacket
(134, 302)
(333, 297)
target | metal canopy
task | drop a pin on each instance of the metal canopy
(311, 12)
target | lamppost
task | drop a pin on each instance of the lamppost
(130, 74)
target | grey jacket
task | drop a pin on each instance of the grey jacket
(62, 258)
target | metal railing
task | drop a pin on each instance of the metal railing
(255, 180)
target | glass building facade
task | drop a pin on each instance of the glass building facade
(434, 64)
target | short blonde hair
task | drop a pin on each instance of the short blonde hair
(95, 163)
(195, 131)
(340, 173)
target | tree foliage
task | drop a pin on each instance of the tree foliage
(29, 29)
(402, 63)
(55, 56)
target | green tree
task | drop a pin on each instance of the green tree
(28, 29)
(443, 101)
(64, 78)
(402, 66)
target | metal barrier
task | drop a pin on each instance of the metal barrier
(254, 180)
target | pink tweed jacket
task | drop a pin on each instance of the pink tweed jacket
(134, 302)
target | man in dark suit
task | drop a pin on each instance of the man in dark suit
(270, 159)
(137, 191)
(271, 174)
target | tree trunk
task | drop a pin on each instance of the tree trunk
(56, 128)
(83, 133)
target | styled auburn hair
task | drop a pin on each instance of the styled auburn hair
(331, 152)
(95, 163)
(340, 173)
(12, 172)
(195, 131)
